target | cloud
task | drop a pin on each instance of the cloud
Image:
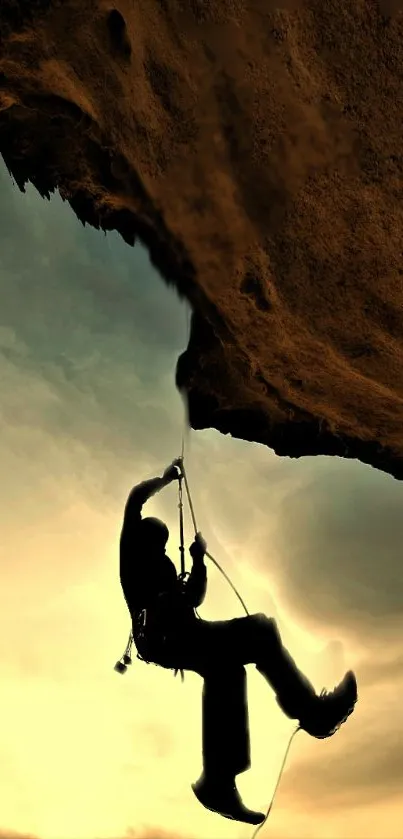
(368, 768)
(385, 669)
(12, 834)
(131, 833)
(72, 291)
(89, 337)
(339, 542)
(362, 764)
(150, 833)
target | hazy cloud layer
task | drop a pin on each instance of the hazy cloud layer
(88, 335)
(363, 765)
(339, 539)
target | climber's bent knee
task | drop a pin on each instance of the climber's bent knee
(264, 633)
(268, 624)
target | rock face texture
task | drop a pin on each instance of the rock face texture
(257, 152)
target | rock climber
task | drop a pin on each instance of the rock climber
(167, 631)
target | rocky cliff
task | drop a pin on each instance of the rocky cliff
(257, 152)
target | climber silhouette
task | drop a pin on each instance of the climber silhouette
(167, 631)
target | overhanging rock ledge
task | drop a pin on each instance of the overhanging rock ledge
(257, 153)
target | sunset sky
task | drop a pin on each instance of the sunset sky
(89, 337)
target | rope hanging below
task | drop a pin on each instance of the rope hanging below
(280, 775)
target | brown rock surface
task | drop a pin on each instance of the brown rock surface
(258, 154)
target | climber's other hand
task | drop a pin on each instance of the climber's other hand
(198, 547)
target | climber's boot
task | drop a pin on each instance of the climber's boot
(324, 715)
(320, 716)
(222, 797)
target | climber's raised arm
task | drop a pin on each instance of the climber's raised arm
(146, 489)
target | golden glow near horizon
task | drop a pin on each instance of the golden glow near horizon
(88, 408)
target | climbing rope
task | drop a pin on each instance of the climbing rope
(280, 774)
(121, 666)
(282, 767)
(214, 561)
(181, 534)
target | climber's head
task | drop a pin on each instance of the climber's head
(154, 533)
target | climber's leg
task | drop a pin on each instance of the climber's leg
(225, 722)
(256, 639)
(226, 744)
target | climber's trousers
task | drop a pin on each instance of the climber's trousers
(218, 651)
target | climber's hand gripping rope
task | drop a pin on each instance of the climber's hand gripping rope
(173, 472)
(198, 548)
